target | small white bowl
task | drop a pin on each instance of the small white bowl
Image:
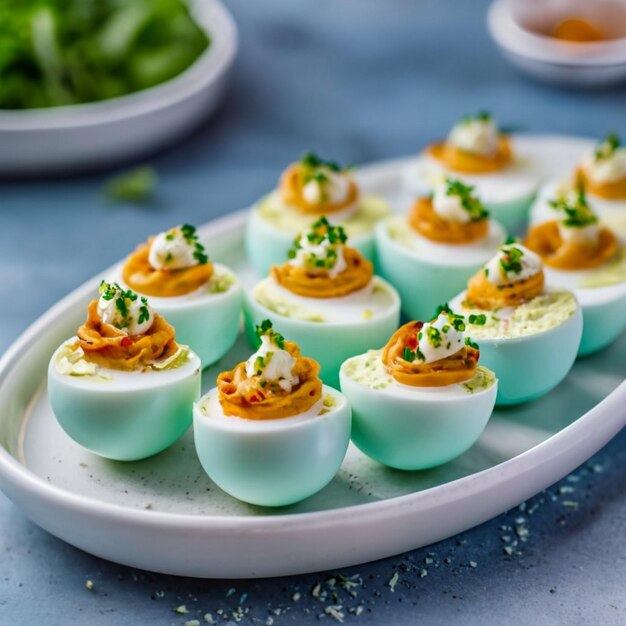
(86, 136)
(516, 25)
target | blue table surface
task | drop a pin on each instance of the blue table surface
(358, 80)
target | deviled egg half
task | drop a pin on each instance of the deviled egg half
(602, 175)
(479, 154)
(528, 335)
(429, 255)
(308, 189)
(326, 298)
(270, 433)
(583, 255)
(422, 400)
(201, 299)
(123, 387)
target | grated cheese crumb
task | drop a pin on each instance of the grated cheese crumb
(335, 612)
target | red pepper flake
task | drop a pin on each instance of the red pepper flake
(126, 341)
(412, 342)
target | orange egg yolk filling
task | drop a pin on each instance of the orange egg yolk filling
(456, 368)
(290, 188)
(255, 398)
(427, 222)
(140, 276)
(615, 190)
(470, 163)
(314, 284)
(483, 294)
(110, 347)
(545, 239)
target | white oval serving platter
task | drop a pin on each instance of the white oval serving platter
(163, 514)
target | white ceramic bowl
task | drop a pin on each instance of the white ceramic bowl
(513, 25)
(86, 136)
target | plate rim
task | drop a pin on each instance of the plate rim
(575, 440)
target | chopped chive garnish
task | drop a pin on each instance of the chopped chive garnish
(481, 116)
(477, 320)
(469, 201)
(310, 160)
(471, 344)
(265, 329)
(607, 147)
(511, 259)
(576, 211)
(324, 234)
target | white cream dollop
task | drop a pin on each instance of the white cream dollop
(274, 363)
(449, 206)
(529, 265)
(576, 221)
(172, 250)
(110, 312)
(580, 235)
(439, 339)
(606, 169)
(309, 251)
(477, 136)
(335, 188)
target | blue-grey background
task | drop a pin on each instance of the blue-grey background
(357, 80)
